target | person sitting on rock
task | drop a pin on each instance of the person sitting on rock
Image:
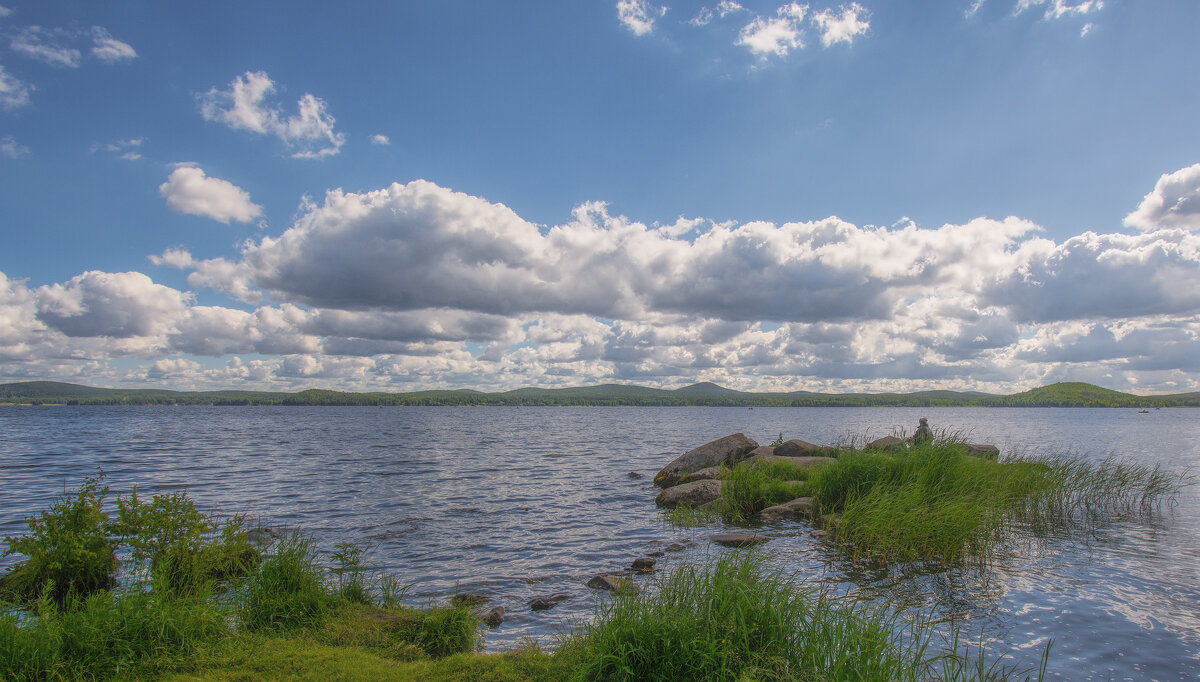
(924, 434)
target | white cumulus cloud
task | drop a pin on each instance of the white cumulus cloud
(638, 15)
(121, 304)
(776, 35)
(1174, 202)
(245, 106)
(1056, 9)
(108, 49)
(722, 10)
(11, 148)
(380, 139)
(843, 26)
(188, 190)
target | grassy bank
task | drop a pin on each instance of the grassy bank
(199, 600)
(935, 502)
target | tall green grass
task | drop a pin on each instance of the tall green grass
(736, 619)
(934, 502)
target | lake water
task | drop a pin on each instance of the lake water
(516, 503)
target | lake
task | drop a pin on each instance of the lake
(516, 503)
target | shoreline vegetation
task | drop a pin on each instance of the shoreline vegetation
(1065, 394)
(202, 599)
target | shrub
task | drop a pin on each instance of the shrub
(68, 549)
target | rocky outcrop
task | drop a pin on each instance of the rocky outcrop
(703, 475)
(799, 508)
(725, 450)
(692, 494)
(986, 451)
(738, 539)
(887, 443)
(799, 448)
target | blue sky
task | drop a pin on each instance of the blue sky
(869, 196)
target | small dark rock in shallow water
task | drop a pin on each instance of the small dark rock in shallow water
(800, 507)
(543, 603)
(611, 583)
(738, 539)
(643, 565)
(494, 617)
(818, 533)
(675, 547)
(634, 475)
(656, 553)
(468, 599)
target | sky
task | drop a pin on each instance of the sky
(874, 196)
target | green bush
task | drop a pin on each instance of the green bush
(68, 549)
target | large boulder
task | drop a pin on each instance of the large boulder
(985, 451)
(703, 475)
(725, 450)
(887, 443)
(692, 494)
(800, 507)
(799, 448)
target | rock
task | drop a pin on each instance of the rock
(762, 450)
(658, 553)
(468, 599)
(612, 583)
(803, 462)
(800, 507)
(818, 534)
(675, 547)
(494, 616)
(634, 475)
(738, 539)
(543, 603)
(986, 451)
(886, 443)
(643, 565)
(708, 474)
(691, 494)
(262, 536)
(725, 450)
(799, 448)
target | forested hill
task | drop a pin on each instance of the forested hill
(1054, 395)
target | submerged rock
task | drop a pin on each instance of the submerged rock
(612, 583)
(468, 599)
(693, 494)
(739, 539)
(543, 603)
(725, 450)
(801, 507)
(494, 616)
(644, 565)
(634, 475)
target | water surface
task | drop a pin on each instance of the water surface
(516, 503)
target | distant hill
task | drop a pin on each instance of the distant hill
(1069, 394)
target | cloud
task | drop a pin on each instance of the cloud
(123, 304)
(124, 149)
(777, 35)
(244, 106)
(1174, 202)
(14, 93)
(4, 11)
(638, 15)
(722, 10)
(380, 139)
(108, 49)
(10, 148)
(188, 190)
(46, 45)
(1057, 9)
(844, 27)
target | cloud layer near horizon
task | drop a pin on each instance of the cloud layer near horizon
(416, 285)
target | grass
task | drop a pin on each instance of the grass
(933, 502)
